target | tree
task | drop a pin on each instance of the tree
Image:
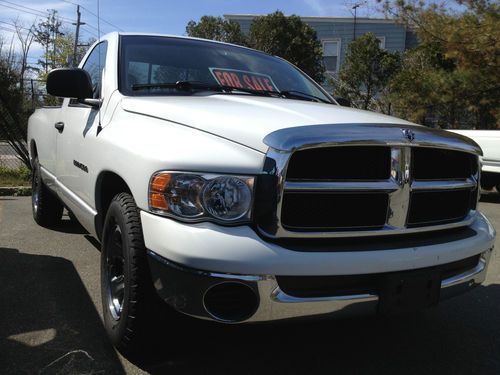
(289, 38)
(25, 37)
(458, 63)
(61, 56)
(366, 71)
(216, 28)
(46, 33)
(64, 47)
(13, 112)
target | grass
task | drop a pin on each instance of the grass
(15, 177)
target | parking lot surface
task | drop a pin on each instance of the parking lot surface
(50, 322)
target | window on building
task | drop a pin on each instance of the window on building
(331, 52)
(382, 41)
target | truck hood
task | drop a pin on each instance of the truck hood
(246, 119)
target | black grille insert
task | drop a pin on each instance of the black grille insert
(327, 286)
(317, 210)
(438, 207)
(340, 163)
(438, 164)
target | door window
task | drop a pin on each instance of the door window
(94, 66)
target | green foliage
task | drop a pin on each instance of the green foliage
(289, 38)
(13, 111)
(286, 37)
(16, 104)
(366, 71)
(14, 177)
(216, 28)
(453, 78)
(46, 33)
(10, 95)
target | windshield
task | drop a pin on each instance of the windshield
(151, 65)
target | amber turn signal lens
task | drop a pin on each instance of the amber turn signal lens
(159, 182)
(157, 188)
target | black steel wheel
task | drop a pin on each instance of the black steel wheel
(46, 207)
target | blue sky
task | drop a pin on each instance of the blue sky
(162, 16)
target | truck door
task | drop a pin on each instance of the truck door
(48, 118)
(78, 133)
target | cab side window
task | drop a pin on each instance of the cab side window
(94, 66)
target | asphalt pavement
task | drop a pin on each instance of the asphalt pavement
(50, 322)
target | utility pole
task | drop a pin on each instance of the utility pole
(77, 32)
(355, 7)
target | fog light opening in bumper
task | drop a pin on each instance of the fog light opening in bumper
(230, 302)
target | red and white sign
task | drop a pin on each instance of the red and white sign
(241, 79)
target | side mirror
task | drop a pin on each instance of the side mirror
(70, 83)
(343, 102)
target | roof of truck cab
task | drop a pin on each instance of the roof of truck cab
(180, 37)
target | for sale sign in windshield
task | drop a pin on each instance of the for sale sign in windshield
(241, 79)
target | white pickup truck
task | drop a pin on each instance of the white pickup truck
(227, 182)
(489, 141)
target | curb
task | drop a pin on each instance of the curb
(17, 191)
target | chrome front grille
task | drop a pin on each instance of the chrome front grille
(357, 187)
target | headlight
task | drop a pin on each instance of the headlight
(197, 197)
(227, 198)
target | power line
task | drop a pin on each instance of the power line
(12, 30)
(25, 11)
(20, 10)
(103, 20)
(30, 10)
(89, 32)
(16, 26)
(77, 32)
(40, 13)
(7, 29)
(95, 15)
(21, 6)
(92, 26)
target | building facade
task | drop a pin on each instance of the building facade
(335, 34)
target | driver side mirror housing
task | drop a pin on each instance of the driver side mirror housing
(70, 83)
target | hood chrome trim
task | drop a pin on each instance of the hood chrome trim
(311, 136)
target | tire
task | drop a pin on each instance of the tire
(487, 186)
(488, 181)
(47, 208)
(498, 188)
(128, 296)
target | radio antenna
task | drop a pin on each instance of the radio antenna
(99, 127)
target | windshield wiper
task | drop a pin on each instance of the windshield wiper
(179, 85)
(195, 85)
(302, 95)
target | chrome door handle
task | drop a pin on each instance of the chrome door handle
(59, 126)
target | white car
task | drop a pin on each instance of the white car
(489, 141)
(237, 188)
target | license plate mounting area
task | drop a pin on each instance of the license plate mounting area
(408, 291)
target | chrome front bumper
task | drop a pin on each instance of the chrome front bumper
(184, 289)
